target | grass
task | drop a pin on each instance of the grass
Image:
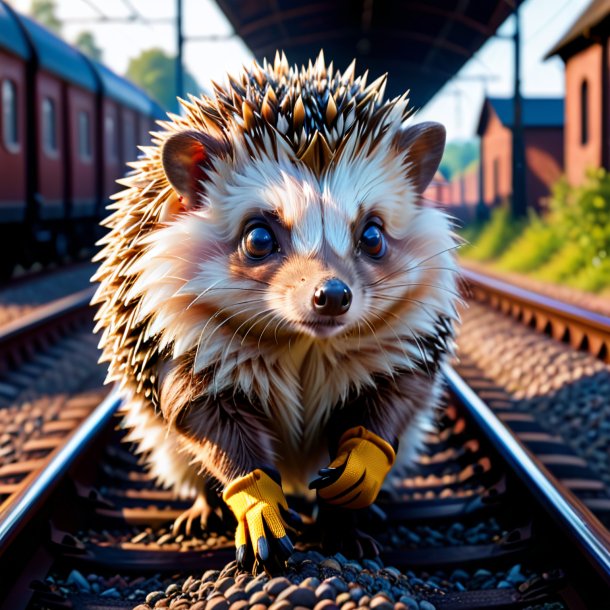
(494, 237)
(570, 245)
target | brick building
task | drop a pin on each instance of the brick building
(586, 52)
(459, 197)
(543, 135)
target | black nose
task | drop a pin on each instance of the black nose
(332, 298)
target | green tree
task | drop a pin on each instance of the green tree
(458, 156)
(85, 41)
(154, 71)
(44, 12)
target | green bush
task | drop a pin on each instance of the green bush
(570, 245)
(494, 237)
(562, 266)
(534, 247)
(594, 277)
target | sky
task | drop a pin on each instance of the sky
(457, 105)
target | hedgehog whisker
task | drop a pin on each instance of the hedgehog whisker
(212, 317)
(207, 291)
(413, 267)
(424, 305)
(263, 331)
(269, 311)
(236, 288)
(387, 358)
(400, 341)
(243, 324)
(420, 284)
(282, 321)
(253, 279)
(413, 336)
(256, 316)
(218, 326)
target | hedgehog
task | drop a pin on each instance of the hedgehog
(276, 299)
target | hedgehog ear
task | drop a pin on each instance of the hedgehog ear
(187, 158)
(423, 145)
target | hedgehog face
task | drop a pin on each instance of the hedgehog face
(277, 252)
(319, 246)
(287, 208)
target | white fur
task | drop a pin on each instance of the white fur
(297, 382)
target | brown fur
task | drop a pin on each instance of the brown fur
(223, 362)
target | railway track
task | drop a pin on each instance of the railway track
(23, 294)
(49, 385)
(494, 515)
(478, 523)
(554, 389)
(573, 324)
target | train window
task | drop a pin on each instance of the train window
(112, 141)
(129, 139)
(10, 132)
(49, 126)
(84, 136)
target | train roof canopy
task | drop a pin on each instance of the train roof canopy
(421, 44)
(11, 35)
(58, 57)
(123, 91)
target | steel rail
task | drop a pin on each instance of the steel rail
(45, 315)
(31, 498)
(586, 531)
(580, 322)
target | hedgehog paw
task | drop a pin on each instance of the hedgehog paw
(194, 519)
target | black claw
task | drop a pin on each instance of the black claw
(240, 556)
(292, 518)
(262, 549)
(285, 546)
(328, 475)
(322, 482)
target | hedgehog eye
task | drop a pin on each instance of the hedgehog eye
(372, 241)
(258, 242)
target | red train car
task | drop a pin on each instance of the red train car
(68, 126)
(15, 54)
(127, 117)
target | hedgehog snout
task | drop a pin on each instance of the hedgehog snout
(332, 298)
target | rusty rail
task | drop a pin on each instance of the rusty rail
(25, 334)
(584, 529)
(581, 328)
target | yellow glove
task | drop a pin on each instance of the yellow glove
(255, 500)
(353, 479)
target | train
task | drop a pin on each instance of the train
(68, 126)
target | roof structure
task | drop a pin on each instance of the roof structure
(58, 57)
(420, 43)
(12, 37)
(585, 31)
(536, 112)
(124, 91)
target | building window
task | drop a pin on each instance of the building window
(584, 112)
(49, 126)
(10, 132)
(84, 136)
(112, 141)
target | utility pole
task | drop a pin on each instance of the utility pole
(179, 51)
(519, 196)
